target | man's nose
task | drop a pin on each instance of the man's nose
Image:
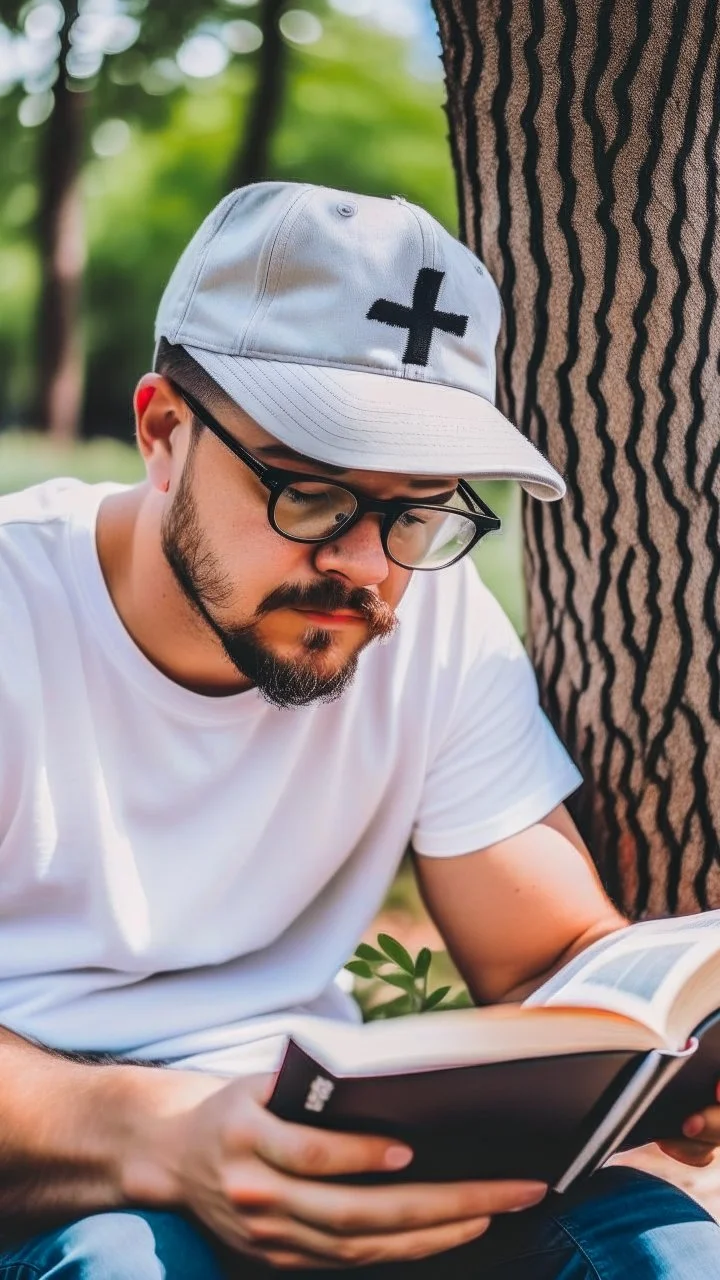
(358, 554)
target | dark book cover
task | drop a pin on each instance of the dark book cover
(690, 1091)
(525, 1119)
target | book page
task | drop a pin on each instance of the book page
(639, 971)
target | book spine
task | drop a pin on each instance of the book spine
(651, 1077)
(303, 1089)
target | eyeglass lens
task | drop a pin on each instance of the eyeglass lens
(422, 538)
(418, 538)
(309, 509)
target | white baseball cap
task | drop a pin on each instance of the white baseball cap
(354, 329)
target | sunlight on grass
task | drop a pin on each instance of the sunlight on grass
(27, 458)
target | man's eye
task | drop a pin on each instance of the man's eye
(301, 497)
(407, 519)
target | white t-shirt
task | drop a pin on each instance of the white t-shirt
(182, 875)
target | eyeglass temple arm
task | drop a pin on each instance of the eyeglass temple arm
(207, 419)
(477, 503)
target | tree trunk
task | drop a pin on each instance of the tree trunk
(253, 160)
(62, 254)
(585, 140)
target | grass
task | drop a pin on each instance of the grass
(28, 458)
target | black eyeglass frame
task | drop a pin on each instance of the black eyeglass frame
(277, 479)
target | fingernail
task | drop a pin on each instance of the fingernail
(397, 1157)
(533, 1195)
(693, 1126)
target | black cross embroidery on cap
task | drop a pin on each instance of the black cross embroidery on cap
(421, 320)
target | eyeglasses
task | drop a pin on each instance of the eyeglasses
(307, 508)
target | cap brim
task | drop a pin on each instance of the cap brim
(380, 422)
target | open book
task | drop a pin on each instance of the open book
(616, 1049)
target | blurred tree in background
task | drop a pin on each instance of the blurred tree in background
(124, 121)
(56, 54)
(253, 162)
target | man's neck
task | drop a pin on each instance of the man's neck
(148, 600)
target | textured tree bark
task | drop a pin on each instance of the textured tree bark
(253, 160)
(62, 254)
(585, 141)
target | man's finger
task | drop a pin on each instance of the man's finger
(288, 1260)
(257, 1087)
(705, 1125)
(353, 1251)
(697, 1154)
(357, 1211)
(315, 1153)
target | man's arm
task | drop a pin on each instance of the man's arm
(71, 1134)
(78, 1139)
(514, 912)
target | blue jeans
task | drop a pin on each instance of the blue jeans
(619, 1223)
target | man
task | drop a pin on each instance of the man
(230, 696)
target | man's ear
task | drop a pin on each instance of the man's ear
(158, 411)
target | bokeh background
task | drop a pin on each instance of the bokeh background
(164, 99)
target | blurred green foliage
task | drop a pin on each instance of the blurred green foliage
(353, 117)
(28, 458)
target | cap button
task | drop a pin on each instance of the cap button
(347, 210)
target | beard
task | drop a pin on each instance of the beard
(284, 682)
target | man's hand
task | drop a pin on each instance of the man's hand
(257, 1183)
(702, 1138)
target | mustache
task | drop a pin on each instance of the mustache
(329, 595)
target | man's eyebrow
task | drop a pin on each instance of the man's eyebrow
(432, 482)
(439, 497)
(289, 455)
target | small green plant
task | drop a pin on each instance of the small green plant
(391, 962)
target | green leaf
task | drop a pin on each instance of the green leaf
(434, 998)
(391, 1009)
(396, 951)
(402, 980)
(422, 964)
(460, 1001)
(365, 952)
(360, 968)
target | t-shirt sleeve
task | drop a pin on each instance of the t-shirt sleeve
(499, 766)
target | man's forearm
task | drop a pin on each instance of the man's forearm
(601, 931)
(525, 989)
(76, 1138)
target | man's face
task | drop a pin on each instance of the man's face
(292, 617)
